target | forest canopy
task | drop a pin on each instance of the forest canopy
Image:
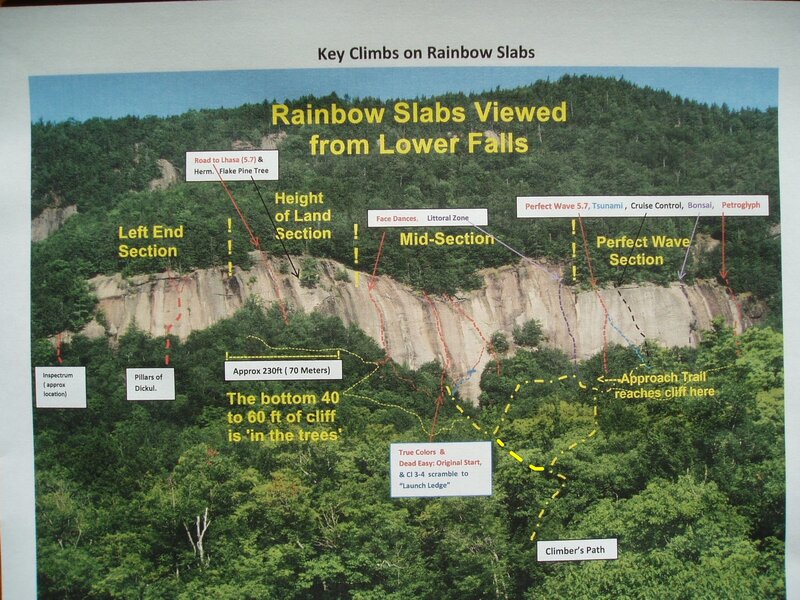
(619, 139)
(692, 488)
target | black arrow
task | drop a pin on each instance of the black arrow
(619, 281)
(295, 272)
(682, 272)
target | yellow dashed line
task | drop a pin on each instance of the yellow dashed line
(534, 468)
(349, 391)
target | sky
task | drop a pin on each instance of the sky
(60, 97)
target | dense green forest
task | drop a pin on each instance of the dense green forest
(693, 488)
(618, 139)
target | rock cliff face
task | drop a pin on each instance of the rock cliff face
(50, 220)
(169, 176)
(573, 322)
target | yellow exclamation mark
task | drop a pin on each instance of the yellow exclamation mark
(574, 255)
(230, 248)
(355, 249)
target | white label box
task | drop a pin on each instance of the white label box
(274, 370)
(569, 550)
(428, 217)
(419, 470)
(232, 165)
(150, 384)
(532, 207)
(60, 387)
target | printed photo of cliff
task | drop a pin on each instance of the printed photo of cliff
(628, 372)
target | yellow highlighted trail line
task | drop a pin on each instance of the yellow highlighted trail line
(561, 478)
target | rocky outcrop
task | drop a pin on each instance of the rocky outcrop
(50, 220)
(169, 176)
(273, 140)
(579, 323)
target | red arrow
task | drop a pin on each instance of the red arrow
(253, 239)
(724, 271)
(373, 281)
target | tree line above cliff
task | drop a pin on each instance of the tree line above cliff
(619, 139)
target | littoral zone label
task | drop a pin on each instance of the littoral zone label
(421, 470)
(427, 217)
(232, 165)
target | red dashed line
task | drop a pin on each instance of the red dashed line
(381, 324)
(177, 283)
(487, 343)
(739, 310)
(448, 362)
